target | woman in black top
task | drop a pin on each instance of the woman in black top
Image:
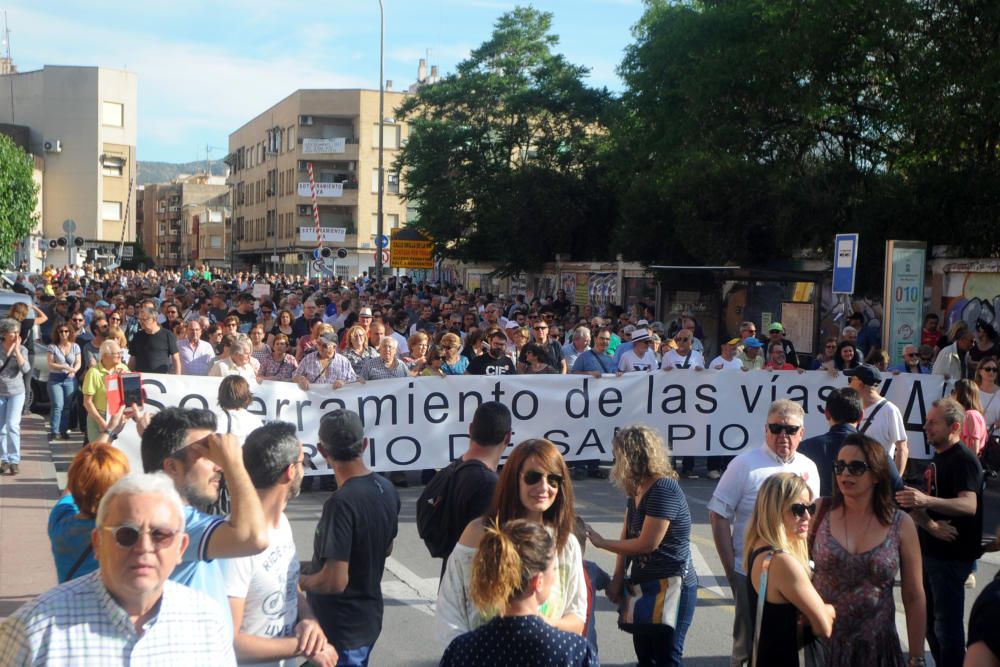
(513, 571)
(776, 545)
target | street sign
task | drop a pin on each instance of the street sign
(329, 234)
(385, 256)
(275, 259)
(382, 241)
(127, 252)
(845, 259)
(411, 250)
(69, 226)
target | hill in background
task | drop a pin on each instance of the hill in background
(164, 172)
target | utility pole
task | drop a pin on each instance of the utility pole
(381, 140)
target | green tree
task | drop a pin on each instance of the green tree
(506, 159)
(18, 196)
(756, 129)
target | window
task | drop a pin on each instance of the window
(114, 114)
(215, 216)
(389, 221)
(392, 187)
(390, 136)
(291, 137)
(111, 169)
(375, 180)
(215, 241)
(111, 210)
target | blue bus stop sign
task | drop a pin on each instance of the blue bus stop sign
(845, 260)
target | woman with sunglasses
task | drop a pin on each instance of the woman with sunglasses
(455, 363)
(534, 485)
(825, 359)
(986, 378)
(435, 357)
(65, 359)
(514, 571)
(656, 540)
(861, 543)
(356, 349)
(777, 560)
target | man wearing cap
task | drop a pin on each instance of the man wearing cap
(882, 420)
(324, 365)
(353, 539)
(777, 336)
(640, 357)
(751, 356)
(727, 361)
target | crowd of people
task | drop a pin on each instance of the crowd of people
(811, 533)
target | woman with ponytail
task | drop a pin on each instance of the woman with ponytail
(534, 485)
(513, 573)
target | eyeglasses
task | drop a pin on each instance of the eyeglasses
(114, 319)
(787, 429)
(265, 311)
(78, 319)
(914, 355)
(800, 509)
(989, 369)
(448, 347)
(854, 468)
(126, 536)
(540, 328)
(533, 477)
(682, 339)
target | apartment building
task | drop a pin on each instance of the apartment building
(337, 131)
(186, 221)
(82, 121)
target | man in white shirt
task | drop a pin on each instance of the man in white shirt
(196, 354)
(685, 356)
(727, 361)
(734, 498)
(882, 420)
(263, 589)
(640, 357)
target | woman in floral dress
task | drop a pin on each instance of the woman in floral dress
(861, 542)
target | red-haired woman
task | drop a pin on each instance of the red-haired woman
(534, 485)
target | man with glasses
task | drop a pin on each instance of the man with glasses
(153, 348)
(495, 361)
(735, 495)
(274, 622)
(540, 329)
(577, 346)
(596, 361)
(911, 362)
(184, 445)
(78, 329)
(685, 356)
(324, 366)
(127, 608)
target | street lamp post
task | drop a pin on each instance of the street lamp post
(379, 229)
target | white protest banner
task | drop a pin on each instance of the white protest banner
(423, 422)
(322, 189)
(312, 146)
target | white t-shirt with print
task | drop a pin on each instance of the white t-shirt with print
(733, 364)
(630, 362)
(268, 583)
(675, 359)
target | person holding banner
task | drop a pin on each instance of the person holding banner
(640, 358)
(324, 366)
(534, 485)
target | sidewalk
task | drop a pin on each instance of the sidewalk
(26, 566)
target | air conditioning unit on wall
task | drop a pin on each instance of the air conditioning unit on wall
(53, 146)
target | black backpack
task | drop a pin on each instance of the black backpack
(432, 519)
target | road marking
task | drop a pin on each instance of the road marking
(411, 589)
(706, 580)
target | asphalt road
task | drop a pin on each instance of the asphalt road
(410, 581)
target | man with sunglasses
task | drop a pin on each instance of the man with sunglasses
(911, 362)
(184, 444)
(735, 495)
(272, 622)
(126, 611)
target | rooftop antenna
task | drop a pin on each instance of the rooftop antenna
(8, 64)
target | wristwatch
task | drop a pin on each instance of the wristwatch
(112, 436)
(917, 661)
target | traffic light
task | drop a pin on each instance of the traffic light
(322, 253)
(61, 241)
(53, 244)
(342, 253)
(79, 241)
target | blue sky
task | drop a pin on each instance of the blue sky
(205, 68)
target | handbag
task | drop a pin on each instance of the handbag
(654, 602)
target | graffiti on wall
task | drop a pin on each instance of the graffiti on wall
(978, 298)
